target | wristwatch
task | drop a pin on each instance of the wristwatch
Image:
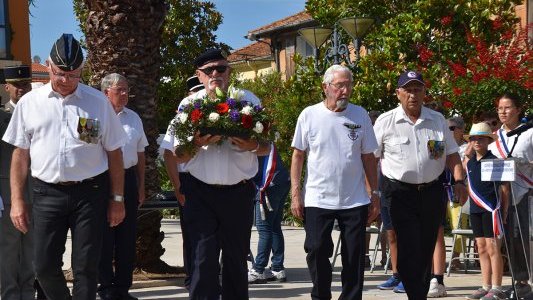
(377, 193)
(117, 198)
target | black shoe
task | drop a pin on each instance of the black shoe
(127, 296)
(107, 295)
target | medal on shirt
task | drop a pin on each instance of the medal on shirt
(352, 133)
(88, 130)
(436, 149)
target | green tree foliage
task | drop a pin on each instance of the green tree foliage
(187, 32)
(430, 36)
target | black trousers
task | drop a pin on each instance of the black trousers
(416, 213)
(184, 234)
(118, 244)
(219, 218)
(518, 237)
(56, 209)
(319, 248)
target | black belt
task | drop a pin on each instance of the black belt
(71, 183)
(416, 186)
(221, 186)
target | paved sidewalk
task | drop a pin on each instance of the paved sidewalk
(298, 285)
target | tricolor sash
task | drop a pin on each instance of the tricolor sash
(269, 168)
(503, 150)
(448, 187)
(480, 201)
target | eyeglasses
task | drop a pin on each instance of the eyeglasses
(209, 70)
(452, 128)
(120, 90)
(66, 76)
(504, 109)
(338, 86)
(492, 123)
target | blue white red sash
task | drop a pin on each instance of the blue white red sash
(448, 187)
(503, 150)
(269, 169)
(480, 201)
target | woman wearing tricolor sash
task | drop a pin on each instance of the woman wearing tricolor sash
(488, 207)
(510, 109)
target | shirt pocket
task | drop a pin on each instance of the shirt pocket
(397, 147)
(88, 130)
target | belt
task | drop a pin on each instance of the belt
(69, 183)
(418, 186)
(221, 186)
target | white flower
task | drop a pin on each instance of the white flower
(277, 136)
(183, 117)
(258, 127)
(190, 138)
(213, 117)
(236, 94)
(247, 110)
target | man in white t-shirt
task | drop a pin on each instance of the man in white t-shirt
(338, 140)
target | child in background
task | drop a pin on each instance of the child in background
(487, 212)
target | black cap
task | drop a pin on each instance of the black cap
(209, 56)
(409, 76)
(17, 73)
(66, 53)
(194, 84)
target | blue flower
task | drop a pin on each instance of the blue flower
(198, 103)
(231, 102)
(258, 108)
(234, 115)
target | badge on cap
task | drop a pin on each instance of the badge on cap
(411, 74)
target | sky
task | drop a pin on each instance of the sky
(50, 18)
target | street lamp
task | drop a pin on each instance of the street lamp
(356, 27)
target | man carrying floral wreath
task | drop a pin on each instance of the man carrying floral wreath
(219, 139)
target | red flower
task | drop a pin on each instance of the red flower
(425, 53)
(458, 69)
(497, 24)
(447, 104)
(446, 20)
(246, 121)
(222, 108)
(196, 115)
(457, 91)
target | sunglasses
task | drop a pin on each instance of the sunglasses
(492, 123)
(452, 128)
(209, 70)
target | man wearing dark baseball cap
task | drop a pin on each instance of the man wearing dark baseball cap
(415, 145)
(73, 138)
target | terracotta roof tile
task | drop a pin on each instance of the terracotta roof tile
(298, 18)
(37, 67)
(251, 52)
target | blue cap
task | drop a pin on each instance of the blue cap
(409, 76)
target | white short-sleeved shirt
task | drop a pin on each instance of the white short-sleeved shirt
(413, 153)
(334, 142)
(169, 142)
(136, 139)
(523, 151)
(224, 164)
(67, 137)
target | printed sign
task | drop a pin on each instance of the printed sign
(498, 170)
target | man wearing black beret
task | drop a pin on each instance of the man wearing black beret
(218, 194)
(73, 139)
(16, 270)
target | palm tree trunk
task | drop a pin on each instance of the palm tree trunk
(124, 36)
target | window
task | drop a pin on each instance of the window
(303, 48)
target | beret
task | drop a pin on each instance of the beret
(209, 56)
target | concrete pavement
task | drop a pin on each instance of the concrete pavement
(298, 285)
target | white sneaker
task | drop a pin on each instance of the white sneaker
(436, 290)
(278, 276)
(256, 277)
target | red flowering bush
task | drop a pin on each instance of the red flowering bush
(494, 70)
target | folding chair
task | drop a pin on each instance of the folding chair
(467, 251)
(369, 229)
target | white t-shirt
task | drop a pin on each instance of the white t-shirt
(224, 164)
(136, 139)
(523, 152)
(334, 142)
(67, 136)
(413, 153)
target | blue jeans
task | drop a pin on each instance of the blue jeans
(270, 234)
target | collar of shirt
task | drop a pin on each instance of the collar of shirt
(425, 114)
(12, 103)
(52, 93)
